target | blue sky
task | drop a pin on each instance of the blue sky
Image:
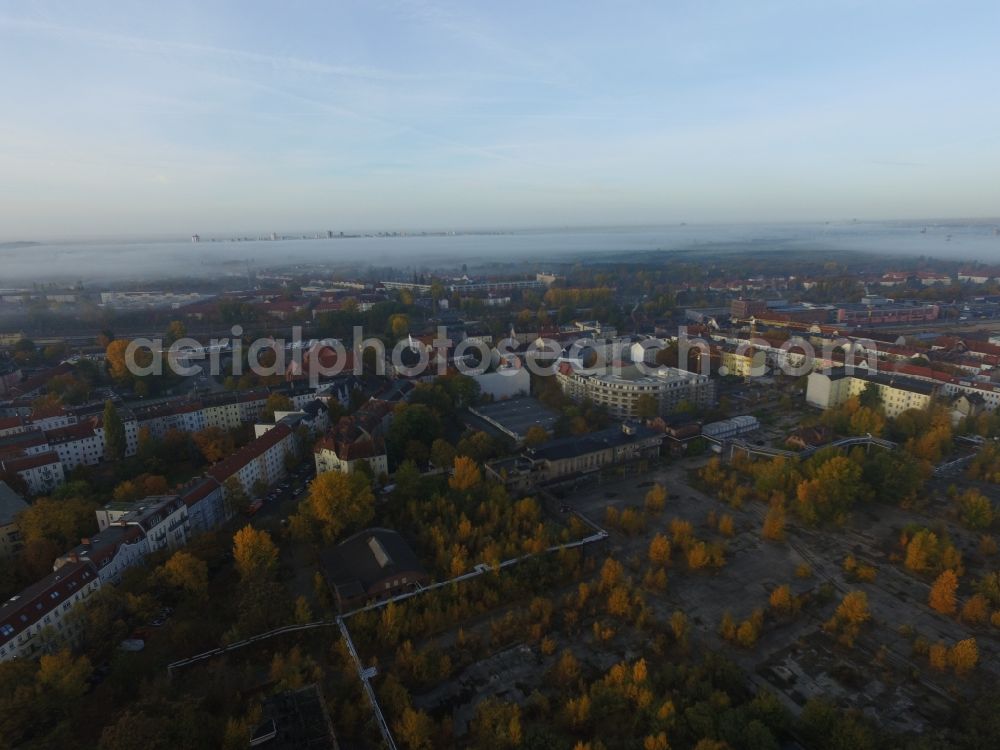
(134, 118)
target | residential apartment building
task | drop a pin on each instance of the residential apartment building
(11, 504)
(112, 551)
(206, 505)
(77, 444)
(623, 393)
(38, 618)
(162, 520)
(898, 394)
(743, 362)
(262, 460)
(345, 456)
(225, 411)
(40, 472)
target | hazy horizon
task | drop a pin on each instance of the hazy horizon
(314, 232)
(149, 121)
(148, 259)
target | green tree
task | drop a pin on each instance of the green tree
(871, 397)
(414, 422)
(647, 406)
(114, 433)
(276, 402)
(236, 498)
(975, 509)
(442, 453)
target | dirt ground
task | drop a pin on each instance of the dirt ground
(881, 675)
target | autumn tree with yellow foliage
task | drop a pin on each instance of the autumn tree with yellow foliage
(186, 572)
(964, 656)
(976, 610)
(942, 597)
(851, 614)
(465, 475)
(336, 502)
(255, 554)
(782, 601)
(774, 522)
(656, 499)
(659, 550)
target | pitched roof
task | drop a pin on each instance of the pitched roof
(23, 610)
(256, 448)
(12, 423)
(24, 463)
(70, 433)
(199, 490)
(101, 548)
(368, 557)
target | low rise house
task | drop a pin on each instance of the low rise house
(730, 428)
(967, 405)
(576, 456)
(677, 429)
(348, 445)
(373, 564)
(809, 437)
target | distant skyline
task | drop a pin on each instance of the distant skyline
(170, 119)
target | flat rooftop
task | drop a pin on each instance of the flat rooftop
(518, 415)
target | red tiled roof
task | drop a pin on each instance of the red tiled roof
(39, 379)
(256, 448)
(36, 601)
(24, 463)
(47, 410)
(10, 423)
(925, 372)
(71, 432)
(18, 443)
(199, 490)
(324, 357)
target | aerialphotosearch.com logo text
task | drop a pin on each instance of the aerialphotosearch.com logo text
(329, 358)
